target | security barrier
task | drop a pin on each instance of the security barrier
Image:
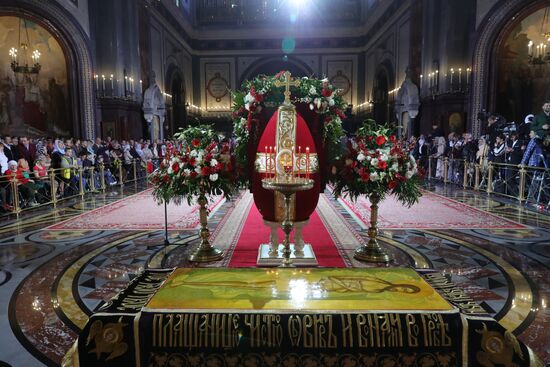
(56, 186)
(529, 185)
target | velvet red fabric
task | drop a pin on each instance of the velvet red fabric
(306, 201)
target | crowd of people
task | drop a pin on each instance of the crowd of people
(28, 163)
(507, 145)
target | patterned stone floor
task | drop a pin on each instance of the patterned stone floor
(50, 281)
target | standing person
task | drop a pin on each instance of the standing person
(26, 150)
(514, 153)
(541, 123)
(9, 150)
(439, 154)
(498, 149)
(533, 153)
(492, 129)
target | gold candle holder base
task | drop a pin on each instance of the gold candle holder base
(287, 186)
(372, 252)
(205, 252)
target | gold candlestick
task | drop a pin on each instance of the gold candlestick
(372, 252)
(206, 252)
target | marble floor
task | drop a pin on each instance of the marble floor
(51, 281)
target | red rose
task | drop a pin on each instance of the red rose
(192, 161)
(382, 165)
(166, 178)
(175, 167)
(208, 157)
(196, 143)
(326, 92)
(205, 171)
(193, 174)
(392, 138)
(369, 138)
(259, 97)
(211, 146)
(365, 174)
(380, 140)
(392, 184)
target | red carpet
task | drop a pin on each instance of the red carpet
(137, 212)
(255, 232)
(431, 212)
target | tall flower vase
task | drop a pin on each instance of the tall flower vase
(372, 252)
(205, 252)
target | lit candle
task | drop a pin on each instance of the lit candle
(273, 162)
(140, 86)
(452, 75)
(292, 161)
(13, 54)
(96, 77)
(299, 160)
(269, 161)
(538, 51)
(307, 162)
(125, 84)
(436, 81)
(112, 85)
(530, 48)
(103, 82)
(421, 80)
(132, 85)
(460, 78)
(468, 76)
(266, 162)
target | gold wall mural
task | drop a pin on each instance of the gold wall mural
(32, 104)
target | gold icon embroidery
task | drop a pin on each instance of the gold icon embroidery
(107, 339)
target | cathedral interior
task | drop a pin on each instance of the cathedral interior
(101, 267)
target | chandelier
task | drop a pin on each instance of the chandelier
(536, 53)
(22, 69)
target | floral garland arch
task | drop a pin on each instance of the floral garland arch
(260, 92)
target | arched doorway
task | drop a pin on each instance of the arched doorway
(497, 27)
(75, 45)
(380, 92)
(176, 113)
(272, 66)
(179, 114)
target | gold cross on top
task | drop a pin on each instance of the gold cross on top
(287, 84)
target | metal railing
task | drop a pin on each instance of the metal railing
(66, 183)
(522, 183)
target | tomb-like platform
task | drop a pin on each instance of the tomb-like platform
(295, 317)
